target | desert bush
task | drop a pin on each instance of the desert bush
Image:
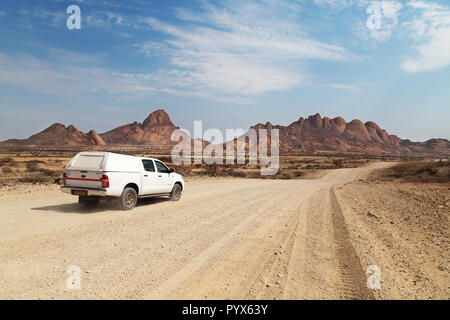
(239, 174)
(298, 173)
(419, 172)
(7, 161)
(7, 170)
(285, 176)
(40, 178)
(184, 170)
(337, 163)
(211, 170)
(50, 173)
(32, 166)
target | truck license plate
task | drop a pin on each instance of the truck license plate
(82, 193)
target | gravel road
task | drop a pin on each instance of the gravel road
(226, 238)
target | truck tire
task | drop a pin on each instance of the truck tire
(128, 199)
(175, 195)
(89, 202)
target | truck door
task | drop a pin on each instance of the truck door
(163, 178)
(149, 177)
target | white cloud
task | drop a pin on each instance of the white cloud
(432, 30)
(342, 4)
(55, 18)
(235, 48)
(342, 86)
(240, 48)
(65, 74)
(107, 20)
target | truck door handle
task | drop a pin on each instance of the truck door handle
(145, 175)
(159, 176)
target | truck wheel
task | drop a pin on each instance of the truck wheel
(128, 199)
(88, 201)
(175, 195)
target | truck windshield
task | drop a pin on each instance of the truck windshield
(161, 167)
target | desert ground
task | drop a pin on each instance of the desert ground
(233, 238)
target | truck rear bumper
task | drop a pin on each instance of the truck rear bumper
(90, 192)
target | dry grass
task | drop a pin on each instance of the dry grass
(7, 170)
(421, 171)
(38, 178)
(7, 161)
(290, 167)
(23, 168)
(45, 166)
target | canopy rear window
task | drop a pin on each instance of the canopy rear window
(88, 161)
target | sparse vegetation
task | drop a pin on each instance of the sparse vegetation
(39, 178)
(7, 170)
(49, 163)
(337, 163)
(429, 171)
(7, 161)
(32, 166)
(21, 168)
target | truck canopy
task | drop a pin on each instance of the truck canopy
(104, 161)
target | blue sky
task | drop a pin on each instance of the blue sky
(229, 63)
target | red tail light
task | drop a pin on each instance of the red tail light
(64, 179)
(105, 181)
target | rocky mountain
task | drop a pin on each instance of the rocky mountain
(59, 135)
(336, 135)
(156, 129)
(306, 134)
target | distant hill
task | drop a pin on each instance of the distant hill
(58, 135)
(156, 129)
(306, 134)
(336, 135)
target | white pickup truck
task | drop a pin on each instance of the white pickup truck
(95, 175)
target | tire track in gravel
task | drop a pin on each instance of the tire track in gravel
(225, 257)
(352, 272)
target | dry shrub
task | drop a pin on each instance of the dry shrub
(211, 170)
(338, 163)
(39, 178)
(8, 160)
(184, 170)
(239, 174)
(419, 172)
(285, 175)
(32, 166)
(7, 170)
(51, 173)
(298, 173)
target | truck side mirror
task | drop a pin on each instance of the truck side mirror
(171, 170)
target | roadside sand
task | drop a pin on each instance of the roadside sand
(404, 229)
